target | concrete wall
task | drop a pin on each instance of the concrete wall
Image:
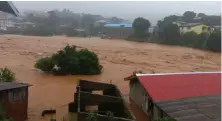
(141, 98)
(118, 32)
(139, 95)
(197, 29)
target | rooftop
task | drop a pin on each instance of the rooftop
(118, 25)
(11, 85)
(190, 24)
(162, 87)
(191, 96)
(8, 7)
(203, 108)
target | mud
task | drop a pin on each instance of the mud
(118, 57)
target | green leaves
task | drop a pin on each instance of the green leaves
(140, 26)
(71, 61)
(214, 41)
(6, 75)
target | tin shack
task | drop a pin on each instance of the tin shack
(14, 100)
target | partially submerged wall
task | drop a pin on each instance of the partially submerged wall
(109, 100)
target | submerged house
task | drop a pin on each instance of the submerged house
(120, 31)
(14, 100)
(176, 96)
(99, 98)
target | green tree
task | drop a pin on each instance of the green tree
(202, 41)
(6, 75)
(202, 15)
(140, 26)
(189, 39)
(214, 41)
(189, 15)
(171, 34)
(69, 60)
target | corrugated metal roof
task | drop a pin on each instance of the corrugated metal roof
(203, 108)
(118, 25)
(11, 85)
(181, 85)
(8, 7)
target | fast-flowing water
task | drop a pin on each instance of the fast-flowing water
(118, 57)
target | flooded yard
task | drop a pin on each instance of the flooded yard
(118, 57)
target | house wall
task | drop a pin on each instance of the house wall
(118, 32)
(15, 103)
(140, 97)
(197, 29)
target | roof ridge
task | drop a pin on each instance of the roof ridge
(177, 73)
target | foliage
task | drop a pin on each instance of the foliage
(189, 39)
(171, 34)
(202, 40)
(45, 64)
(110, 116)
(189, 15)
(38, 30)
(140, 26)
(71, 61)
(92, 116)
(202, 15)
(51, 22)
(214, 41)
(6, 75)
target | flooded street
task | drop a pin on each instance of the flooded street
(118, 57)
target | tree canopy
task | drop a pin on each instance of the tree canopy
(189, 15)
(140, 26)
(214, 41)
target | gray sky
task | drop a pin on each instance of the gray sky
(128, 10)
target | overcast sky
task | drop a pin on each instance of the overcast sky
(128, 10)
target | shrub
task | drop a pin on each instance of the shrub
(45, 64)
(214, 41)
(189, 39)
(6, 75)
(71, 61)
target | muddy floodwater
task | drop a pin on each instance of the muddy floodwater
(118, 57)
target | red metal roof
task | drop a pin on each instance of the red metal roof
(174, 86)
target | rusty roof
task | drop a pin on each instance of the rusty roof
(11, 85)
(203, 108)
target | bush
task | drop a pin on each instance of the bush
(6, 75)
(45, 64)
(214, 41)
(71, 61)
(189, 39)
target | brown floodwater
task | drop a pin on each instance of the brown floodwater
(118, 57)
